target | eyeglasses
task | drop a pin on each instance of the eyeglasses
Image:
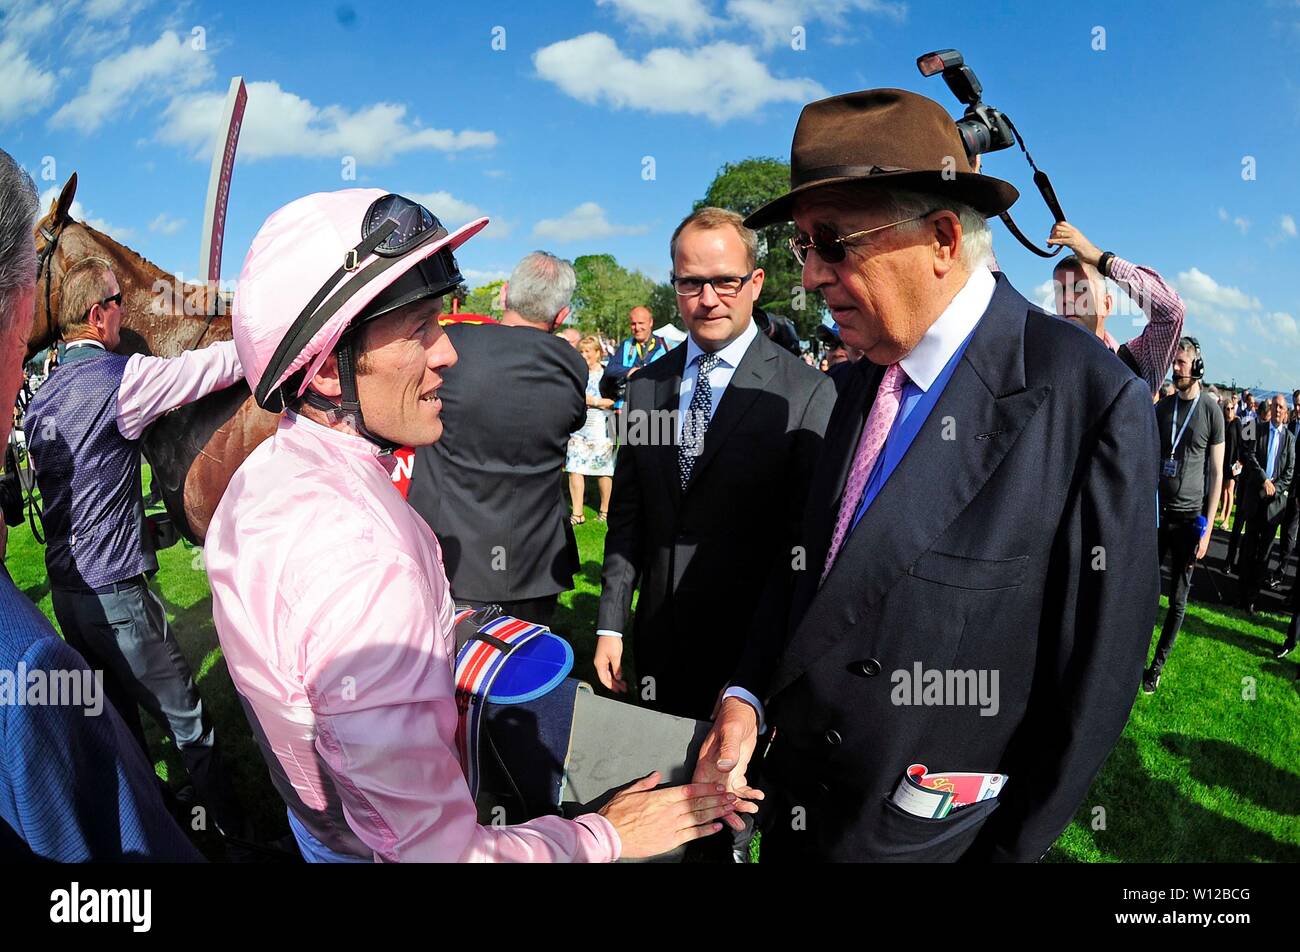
(831, 247)
(723, 286)
(111, 299)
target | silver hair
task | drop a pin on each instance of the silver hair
(541, 286)
(18, 207)
(976, 236)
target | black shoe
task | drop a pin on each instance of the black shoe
(1149, 683)
(1282, 652)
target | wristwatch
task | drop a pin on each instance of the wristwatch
(1103, 263)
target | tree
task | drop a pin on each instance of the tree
(485, 300)
(743, 187)
(605, 294)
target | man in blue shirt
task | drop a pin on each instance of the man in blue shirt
(64, 753)
(1265, 487)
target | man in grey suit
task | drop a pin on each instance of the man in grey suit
(706, 510)
(1267, 468)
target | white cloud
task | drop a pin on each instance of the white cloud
(82, 214)
(1268, 362)
(584, 222)
(26, 86)
(1209, 303)
(1240, 223)
(453, 212)
(166, 225)
(661, 16)
(1287, 223)
(1196, 285)
(720, 81)
(279, 124)
(1044, 295)
(773, 20)
(476, 279)
(139, 72)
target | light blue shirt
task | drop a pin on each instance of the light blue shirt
(1274, 439)
(929, 367)
(729, 359)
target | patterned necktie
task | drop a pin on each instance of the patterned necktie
(879, 422)
(697, 418)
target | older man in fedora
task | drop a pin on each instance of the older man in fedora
(981, 554)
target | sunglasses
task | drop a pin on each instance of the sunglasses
(111, 299)
(831, 247)
(723, 286)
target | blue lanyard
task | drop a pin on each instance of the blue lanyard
(1174, 422)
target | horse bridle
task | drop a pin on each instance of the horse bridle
(43, 263)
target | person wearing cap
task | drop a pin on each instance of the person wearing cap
(328, 591)
(984, 502)
(84, 429)
(1079, 280)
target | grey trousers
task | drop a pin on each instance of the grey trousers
(125, 633)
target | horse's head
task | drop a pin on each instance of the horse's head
(160, 315)
(54, 240)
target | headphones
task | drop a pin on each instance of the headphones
(1198, 365)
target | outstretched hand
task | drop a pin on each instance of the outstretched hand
(725, 754)
(650, 821)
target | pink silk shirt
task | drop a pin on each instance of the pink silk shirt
(335, 616)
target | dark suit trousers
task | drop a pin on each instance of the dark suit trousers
(1178, 538)
(1257, 541)
(1290, 525)
(1234, 537)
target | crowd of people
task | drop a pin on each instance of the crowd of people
(968, 485)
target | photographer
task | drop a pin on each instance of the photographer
(1079, 280)
(631, 354)
(1191, 430)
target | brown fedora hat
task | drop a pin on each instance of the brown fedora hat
(886, 137)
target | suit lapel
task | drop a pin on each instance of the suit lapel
(974, 424)
(751, 377)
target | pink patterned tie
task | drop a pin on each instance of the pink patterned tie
(879, 421)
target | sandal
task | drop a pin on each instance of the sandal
(602, 516)
(576, 520)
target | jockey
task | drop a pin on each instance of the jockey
(328, 590)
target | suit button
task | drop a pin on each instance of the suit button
(868, 668)
(833, 737)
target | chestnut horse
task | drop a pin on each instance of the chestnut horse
(194, 449)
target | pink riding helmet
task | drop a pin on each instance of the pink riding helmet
(313, 267)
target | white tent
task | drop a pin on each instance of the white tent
(670, 335)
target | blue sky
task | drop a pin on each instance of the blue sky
(1145, 138)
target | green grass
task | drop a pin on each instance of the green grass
(1204, 771)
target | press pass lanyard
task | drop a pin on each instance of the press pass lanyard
(1174, 423)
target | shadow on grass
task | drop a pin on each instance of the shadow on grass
(1150, 821)
(1217, 763)
(240, 752)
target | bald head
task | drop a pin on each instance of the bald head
(642, 323)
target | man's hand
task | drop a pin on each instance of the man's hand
(609, 663)
(724, 756)
(1063, 233)
(650, 821)
(1269, 489)
(1205, 544)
